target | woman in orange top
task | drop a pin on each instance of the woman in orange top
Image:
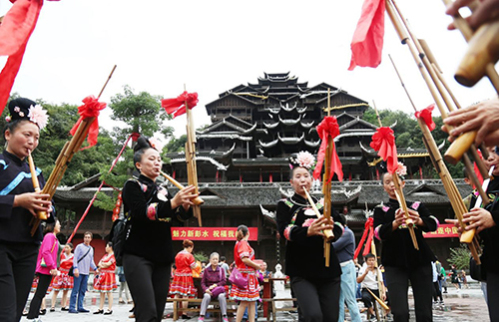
(106, 282)
(182, 284)
(63, 282)
(244, 257)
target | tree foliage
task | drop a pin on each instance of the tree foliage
(460, 257)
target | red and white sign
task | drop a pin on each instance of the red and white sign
(443, 231)
(210, 233)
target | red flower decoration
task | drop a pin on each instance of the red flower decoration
(91, 108)
(425, 114)
(328, 128)
(176, 106)
(383, 141)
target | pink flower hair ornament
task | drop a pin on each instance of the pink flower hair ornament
(38, 116)
(303, 159)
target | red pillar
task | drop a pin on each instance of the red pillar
(271, 179)
(420, 172)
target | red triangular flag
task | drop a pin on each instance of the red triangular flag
(176, 106)
(367, 42)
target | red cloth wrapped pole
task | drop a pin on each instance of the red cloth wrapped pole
(328, 128)
(91, 108)
(15, 30)
(368, 234)
(367, 42)
(383, 141)
(176, 106)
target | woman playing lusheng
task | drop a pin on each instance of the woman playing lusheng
(63, 282)
(183, 284)
(316, 287)
(148, 252)
(18, 205)
(244, 257)
(107, 280)
(402, 262)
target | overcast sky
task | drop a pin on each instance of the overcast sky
(212, 46)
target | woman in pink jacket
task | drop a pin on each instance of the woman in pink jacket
(46, 267)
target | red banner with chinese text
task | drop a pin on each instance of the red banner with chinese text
(210, 233)
(443, 231)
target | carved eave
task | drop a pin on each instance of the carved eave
(270, 144)
(352, 134)
(225, 135)
(218, 165)
(393, 125)
(270, 125)
(306, 125)
(289, 122)
(312, 144)
(274, 110)
(287, 108)
(229, 152)
(290, 141)
(367, 150)
(250, 130)
(357, 120)
(301, 110)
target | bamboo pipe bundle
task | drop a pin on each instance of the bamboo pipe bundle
(36, 185)
(380, 301)
(431, 86)
(197, 201)
(67, 153)
(380, 277)
(190, 159)
(328, 233)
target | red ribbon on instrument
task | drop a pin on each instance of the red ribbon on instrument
(15, 30)
(425, 114)
(91, 108)
(176, 106)
(368, 234)
(367, 42)
(383, 141)
(328, 128)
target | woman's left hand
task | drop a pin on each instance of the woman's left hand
(478, 218)
(414, 216)
(184, 197)
(53, 272)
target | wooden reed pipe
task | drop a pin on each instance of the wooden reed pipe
(197, 201)
(400, 198)
(42, 215)
(328, 233)
(380, 301)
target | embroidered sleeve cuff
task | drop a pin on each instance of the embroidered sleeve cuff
(193, 265)
(244, 254)
(287, 232)
(376, 232)
(151, 211)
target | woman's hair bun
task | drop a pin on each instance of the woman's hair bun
(142, 142)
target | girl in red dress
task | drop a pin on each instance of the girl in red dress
(183, 285)
(244, 257)
(106, 282)
(63, 282)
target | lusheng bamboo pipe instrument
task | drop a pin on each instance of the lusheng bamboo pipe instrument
(328, 233)
(190, 159)
(455, 198)
(462, 142)
(66, 154)
(197, 201)
(381, 288)
(41, 214)
(400, 197)
(380, 301)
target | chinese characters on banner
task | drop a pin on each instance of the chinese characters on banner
(443, 231)
(210, 233)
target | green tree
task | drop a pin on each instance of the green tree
(460, 257)
(141, 113)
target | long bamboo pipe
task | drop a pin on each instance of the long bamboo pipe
(328, 233)
(197, 201)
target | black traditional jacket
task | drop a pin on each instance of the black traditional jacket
(15, 179)
(397, 247)
(305, 255)
(151, 217)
